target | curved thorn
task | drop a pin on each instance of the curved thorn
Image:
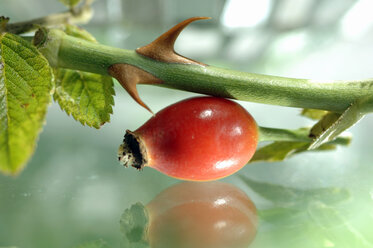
(129, 76)
(162, 49)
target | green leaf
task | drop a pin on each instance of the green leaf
(25, 93)
(70, 3)
(280, 150)
(323, 124)
(94, 244)
(333, 124)
(314, 114)
(88, 97)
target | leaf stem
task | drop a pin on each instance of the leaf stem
(73, 53)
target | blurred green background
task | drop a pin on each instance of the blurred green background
(74, 191)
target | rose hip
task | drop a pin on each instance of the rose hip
(201, 138)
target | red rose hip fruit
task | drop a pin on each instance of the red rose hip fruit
(202, 138)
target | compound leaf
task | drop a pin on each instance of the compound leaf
(25, 93)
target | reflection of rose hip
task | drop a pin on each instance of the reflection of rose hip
(202, 138)
(192, 215)
(201, 215)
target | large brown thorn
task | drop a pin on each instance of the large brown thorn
(162, 49)
(129, 76)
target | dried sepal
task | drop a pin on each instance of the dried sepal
(3, 22)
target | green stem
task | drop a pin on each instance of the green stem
(73, 53)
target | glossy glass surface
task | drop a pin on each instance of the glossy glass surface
(73, 192)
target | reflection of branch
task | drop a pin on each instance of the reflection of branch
(312, 215)
(79, 15)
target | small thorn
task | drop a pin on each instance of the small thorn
(129, 76)
(162, 49)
